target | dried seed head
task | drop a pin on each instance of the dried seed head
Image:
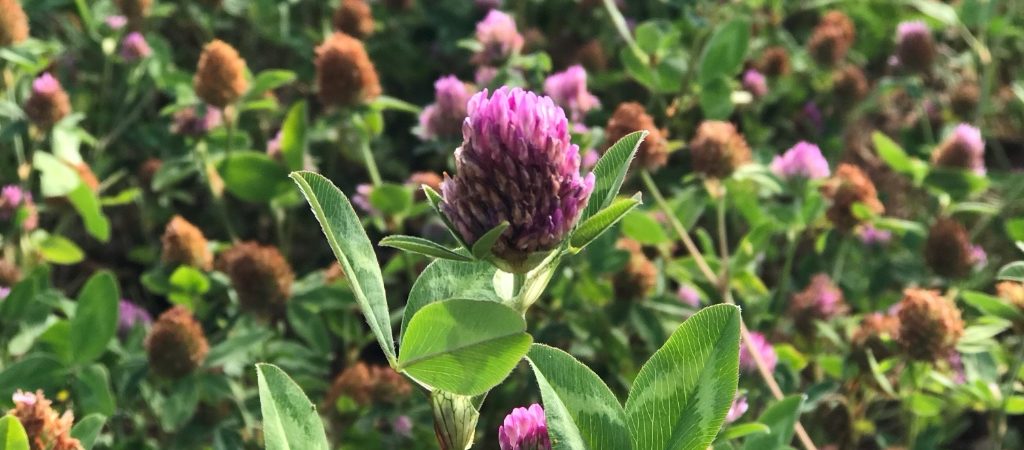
(443, 118)
(638, 278)
(345, 76)
(592, 55)
(176, 344)
(964, 99)
(13, 23)
(419, 179)
(877, 333)
(220, 75)
(915, 48)
(1012, 292)
(516, 164)
(193, 122)
(832, 39)
(849, 186)
(630, 117)
(930, 325)
(134, 10)
(963, 149)
(49, 103)
(10, 274)
(366, 385)
(774, 61)
(947, 250)
(850, 85)
(354, 18)
(147, 171)
(821, 300)
(718, 149)
(183, 243)
(44, 427)
(260, 275)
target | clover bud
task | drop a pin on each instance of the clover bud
(260, 275)
(220, 75)
(185, 244)
(629, 117)
(176, 345)
(345, 76)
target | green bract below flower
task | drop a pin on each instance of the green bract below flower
(516, 165)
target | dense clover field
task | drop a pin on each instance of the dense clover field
(515, 225)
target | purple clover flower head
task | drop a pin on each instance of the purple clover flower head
(188, 121)
(569, 90)
(590, 159)
(4, 292)
(869, 235)
(402, 425)
(525, 429)
(516, 164)
(274, 147)
(46, 84)
(812, 114)
(689, 295)
(134, 47)
(361, 199)
(116, 22)
(444, 117)
(764, 349)
(738, 408)
(755, 83)
(969, 138)
(979, 258)
(11, 197)
(911, 30)
(956, 363)
(803, 160)
(499, 38)
(130, 316)
(485, 75)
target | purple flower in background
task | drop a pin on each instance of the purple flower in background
(964, 149)
(274, 147)
(361, 199)
(803, 160)
(764, 349)
(908, 30)
(590, 159)
(188, 121)
(869, 235)
(11, 197)
(813, 115)
(755, 83)
(116, 22)
(485, 75)
(134, 47)
(46, 84)
(569, 90)
(516, 164)
(130, 316)
(525, 429)
(738, 408)
(979, 258)
(957, 365)
(402, 425)
(445, 116)
(4, 292)
(689, 295)
(498, 37)
(24, 398)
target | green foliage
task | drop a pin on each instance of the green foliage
(95, 320)
(290, 420)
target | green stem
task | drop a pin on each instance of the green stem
(518, 281)
(371, 163)
(787, 269)
(1007, 392)
(230, 123)
(678, 227)
(723, 239)
(842, 253)
(620, 26)
(218, 200)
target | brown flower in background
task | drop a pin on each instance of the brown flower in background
(1012, 292)
(260, 275)
(849, 186)
(630, 117)
(176, 345)
(820, 300)
(849, 85)
(638, 278)
(345, 76)
(183, 243)
(774, 61)
(832, 39)
(134, 10)
(87, 175)
(877, 333)
(915, 48)
(964, 99)
(354, 18)
(718, 149)
(366, 385)
(44, 427)
(220, 75)
(13, 23)
(930, 325)
(947, 251)
(147, 171)
(10, 274)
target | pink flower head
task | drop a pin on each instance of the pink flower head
(188, 121)
(979, 257)
(569, 90)
(590, 159)
(803, 160)
(11, 197)
(911, 30)
(134, 47)
(516, 164)
(755, 83)
(444, 118)
(870, 235)
(116, 22)
(969, 138)
(402, 425)
(274, 147)
(4, 292)
(499, 38)
(738, 408)
(362, 198)
(131, 315)
(24, 398)
(485, 75)
(525, 429)
(688, 295)
(46, 84)
(822, 298)
(764, 349)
